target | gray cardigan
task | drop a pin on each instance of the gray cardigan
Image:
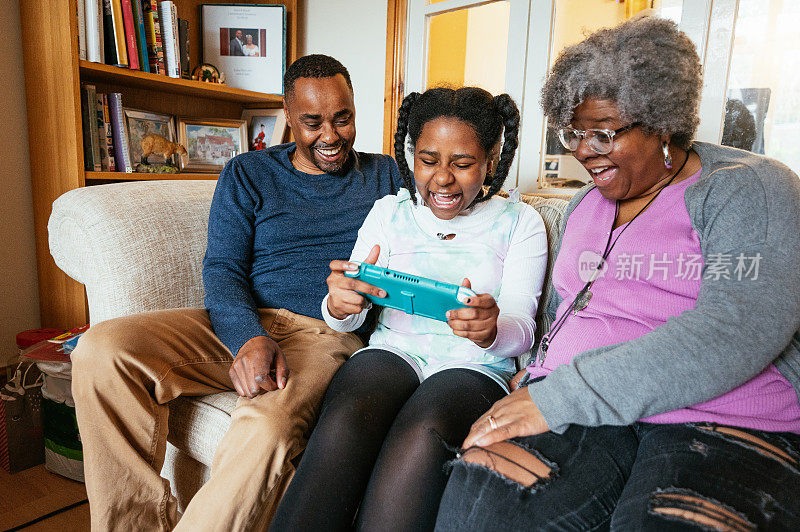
(741, 203)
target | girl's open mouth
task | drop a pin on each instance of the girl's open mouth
(444, 201)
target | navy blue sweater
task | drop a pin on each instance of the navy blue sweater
(273, 231)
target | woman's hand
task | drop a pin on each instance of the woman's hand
(478, 321)
(343, 296)
(512, 385)
(514, 415)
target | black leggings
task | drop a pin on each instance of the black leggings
(375, 451)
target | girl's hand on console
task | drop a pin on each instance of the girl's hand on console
(343, 296)
(478, 321)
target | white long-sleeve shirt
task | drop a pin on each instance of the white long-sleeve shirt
(499, 245)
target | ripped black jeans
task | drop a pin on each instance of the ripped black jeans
(641, 477)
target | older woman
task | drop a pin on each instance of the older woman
(250, 49)
(665, 394)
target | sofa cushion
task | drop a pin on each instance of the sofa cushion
(197, 424)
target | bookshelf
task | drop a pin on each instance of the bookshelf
(99, 73)
(54, 73)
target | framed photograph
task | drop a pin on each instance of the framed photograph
(266, 127)
(246, 42)
(139, 124)
(210, 143)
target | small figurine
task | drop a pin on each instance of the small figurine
(208, 73)
(154, 143)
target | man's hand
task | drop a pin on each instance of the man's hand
(259, 367)
(343, 296)
(514, 415)
(477, 322)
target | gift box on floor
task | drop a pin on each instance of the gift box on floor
(21, 434)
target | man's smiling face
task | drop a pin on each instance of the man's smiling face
(321, 113)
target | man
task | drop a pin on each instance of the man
(278, 217)
(236, 44)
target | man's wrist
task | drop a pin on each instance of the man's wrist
(331, 312)
(254, 341)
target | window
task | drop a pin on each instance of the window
(469, 47)
(508, 46)
(458, 42)
(762, 111)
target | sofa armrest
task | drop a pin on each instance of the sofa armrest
(136, 246)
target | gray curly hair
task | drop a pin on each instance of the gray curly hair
(646, 65)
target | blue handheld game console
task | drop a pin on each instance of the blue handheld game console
(411, 293)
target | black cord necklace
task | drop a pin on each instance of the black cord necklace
(581, 300)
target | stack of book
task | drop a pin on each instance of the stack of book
(144, 35)
(105, 141)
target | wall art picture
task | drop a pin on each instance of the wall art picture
(211, 143)
(266, 127)
(138, 125)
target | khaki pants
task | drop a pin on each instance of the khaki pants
(126, 370)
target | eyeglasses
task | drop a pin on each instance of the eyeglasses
(600, 141)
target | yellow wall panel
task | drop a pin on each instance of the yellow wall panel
(447, 48)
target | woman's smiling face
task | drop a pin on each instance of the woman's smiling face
(449, 166)
(635, 163)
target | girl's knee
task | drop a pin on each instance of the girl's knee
(353, 410)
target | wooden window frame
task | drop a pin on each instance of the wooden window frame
(396, 15)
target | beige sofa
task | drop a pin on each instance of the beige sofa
(139, 246)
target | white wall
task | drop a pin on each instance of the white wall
(19, 301)
(354, 32)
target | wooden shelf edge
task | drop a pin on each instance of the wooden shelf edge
(101, 72)
(136, 176)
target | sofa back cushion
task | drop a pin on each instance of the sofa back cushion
(552, 211)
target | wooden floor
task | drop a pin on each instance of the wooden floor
(35, 492)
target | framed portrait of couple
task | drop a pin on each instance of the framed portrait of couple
(248, 43)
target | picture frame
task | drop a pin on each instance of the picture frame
(265, 127)
(247, 43)
(210, 142)
(139, 124)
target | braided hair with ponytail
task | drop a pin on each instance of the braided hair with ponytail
(488, 116)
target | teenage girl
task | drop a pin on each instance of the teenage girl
(376, 449)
